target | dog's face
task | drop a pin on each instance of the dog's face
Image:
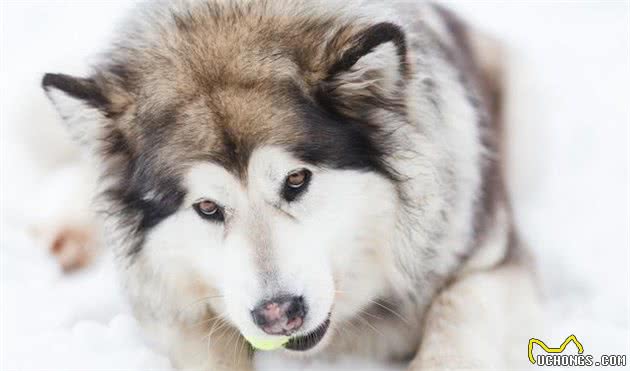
(288, 230)
(257, 175)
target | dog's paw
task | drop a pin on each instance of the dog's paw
(67, 227)
(73, 246)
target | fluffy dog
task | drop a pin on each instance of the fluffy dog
(316, 176)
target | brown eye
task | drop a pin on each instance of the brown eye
(208, 207)
(295, 184)
(209, 210)
(297, 178)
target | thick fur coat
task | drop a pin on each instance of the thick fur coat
(397, 239)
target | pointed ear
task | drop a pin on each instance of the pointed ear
(370, 72)
(82, 103)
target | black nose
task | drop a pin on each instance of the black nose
(280, 316)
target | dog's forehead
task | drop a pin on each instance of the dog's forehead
(259, 113)
(268, 165)
(224, 127)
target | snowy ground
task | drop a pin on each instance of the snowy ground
(569, 178)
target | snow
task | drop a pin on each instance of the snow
(569, 174)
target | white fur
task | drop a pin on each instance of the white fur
(378, 70)
(82, 120)
(344, 215)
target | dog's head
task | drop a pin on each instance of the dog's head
(245, 160)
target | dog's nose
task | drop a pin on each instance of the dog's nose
(280, 316)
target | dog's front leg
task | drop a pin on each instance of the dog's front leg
(475, 322)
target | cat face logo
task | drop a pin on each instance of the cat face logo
(560, 349)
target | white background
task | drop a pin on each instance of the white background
(569, 160)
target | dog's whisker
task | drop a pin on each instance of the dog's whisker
(222, 323)
(207, 320)
(207, 338)
(366, 312)
(235, 354)
(198, 301)
(369, 325)
(350, 329)
(400, 316)
(234, 336)
(240, 350)
(355, 327)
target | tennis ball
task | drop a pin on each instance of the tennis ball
(268, 344)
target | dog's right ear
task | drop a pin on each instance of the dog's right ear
(86, 105)
(370, 70)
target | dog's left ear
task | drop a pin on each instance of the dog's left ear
(370, 71)
(86, 105)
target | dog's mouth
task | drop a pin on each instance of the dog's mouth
(310, 340)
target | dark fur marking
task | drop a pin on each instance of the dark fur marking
(144, 199)
(145, 193)
(338, 142)
(155, 210)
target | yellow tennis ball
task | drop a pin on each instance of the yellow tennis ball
(268, 344)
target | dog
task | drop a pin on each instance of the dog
(323, 177)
